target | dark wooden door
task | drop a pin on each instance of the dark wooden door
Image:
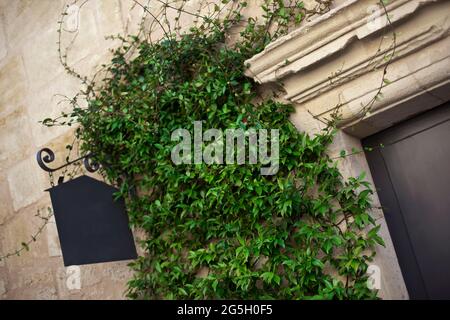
(411, 171)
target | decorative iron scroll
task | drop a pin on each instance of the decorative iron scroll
(46, 155)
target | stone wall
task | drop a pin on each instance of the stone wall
(30, 76)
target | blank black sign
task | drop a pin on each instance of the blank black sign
(412, 176)
(92, 226)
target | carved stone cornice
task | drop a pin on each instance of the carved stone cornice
(328, 59)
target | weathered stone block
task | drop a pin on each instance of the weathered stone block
(33, 276)
(20, 229)
(2, 288)
(6, 209)
(27, 183)
(41, 58)
(49, 102)
(14, 144)
(25, 19)
(45, 292)
(3, 43)
(13, 85)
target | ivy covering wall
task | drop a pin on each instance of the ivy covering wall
(223, 231)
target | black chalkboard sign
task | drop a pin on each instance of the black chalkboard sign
(92, 225)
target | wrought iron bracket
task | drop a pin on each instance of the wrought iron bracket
(46, 155)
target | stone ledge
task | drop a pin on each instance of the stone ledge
(326, 36)
(338, 60)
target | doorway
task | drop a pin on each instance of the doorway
(410, 165)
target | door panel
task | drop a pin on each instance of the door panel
(412, 176)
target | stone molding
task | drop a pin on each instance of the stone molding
(330, 55)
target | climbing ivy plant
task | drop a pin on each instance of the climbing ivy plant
(222, 231)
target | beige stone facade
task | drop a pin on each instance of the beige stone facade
(30, 78)
(322, 65)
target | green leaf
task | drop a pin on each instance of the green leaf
(373, 232)
(215, 284)
(24, 245)
(182, 292)
(318, 263)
